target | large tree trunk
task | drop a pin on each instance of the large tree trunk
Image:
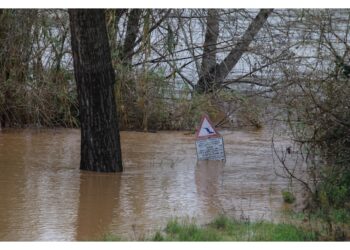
(213, 78)
(2, 67)
(95, 78)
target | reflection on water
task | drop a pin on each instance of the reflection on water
(38, 185)
(99, 196)
(44, 195)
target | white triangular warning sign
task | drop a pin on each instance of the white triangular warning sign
(206, 129)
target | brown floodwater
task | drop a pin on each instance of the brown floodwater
(44, 196)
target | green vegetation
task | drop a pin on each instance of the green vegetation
(288, 197)
(318, 117)
(37, 83)
(227, 229)
(325, 146)
(295, 227)
(328, 225)
(110, 237)
(147, 100)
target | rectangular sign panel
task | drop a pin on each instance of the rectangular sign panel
(210, 149)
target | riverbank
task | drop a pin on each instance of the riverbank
(224, 228)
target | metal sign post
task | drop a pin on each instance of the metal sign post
(209, 143)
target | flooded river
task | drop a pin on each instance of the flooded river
(44, 195)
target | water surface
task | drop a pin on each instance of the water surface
(44, 195)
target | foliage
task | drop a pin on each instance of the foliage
(315, 100)
(143, 100)
(319, 122)
(317, 112)
(245, 110)
(332, 224)
(110, 237)
(155, 90)
(165, 105)
(288, 197)
(36, 85)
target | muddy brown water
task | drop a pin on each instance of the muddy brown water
(44, 195)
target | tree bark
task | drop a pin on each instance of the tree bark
(95, 78)
(209, 46)
(214, 77)
(131, 35)
(4, 68)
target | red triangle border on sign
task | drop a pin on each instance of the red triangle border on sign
(216, 135)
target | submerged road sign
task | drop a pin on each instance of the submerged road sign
(209, 143)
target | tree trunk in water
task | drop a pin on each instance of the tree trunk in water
(95, 78)
(4, 68)
(214, 77)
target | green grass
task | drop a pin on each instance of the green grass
(189, 232)
(110, 237)
(299, 227)
(341, 215)
(225, 229)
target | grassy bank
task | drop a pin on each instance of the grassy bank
(226, 229)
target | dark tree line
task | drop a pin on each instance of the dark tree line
(153, 41)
